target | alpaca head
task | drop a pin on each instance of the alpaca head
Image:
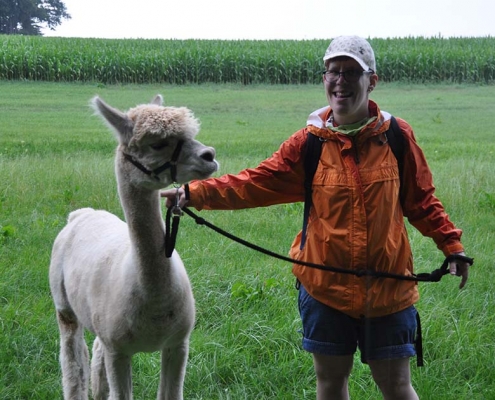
(157, 144)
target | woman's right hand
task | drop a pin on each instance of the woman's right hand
(175, 197)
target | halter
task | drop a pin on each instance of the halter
(172, 164)
(170, 235)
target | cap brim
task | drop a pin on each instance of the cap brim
(345, 54)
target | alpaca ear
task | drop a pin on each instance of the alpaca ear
(157, 100)
(115, 119)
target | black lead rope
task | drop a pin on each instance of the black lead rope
(171, 234)
(434, 276)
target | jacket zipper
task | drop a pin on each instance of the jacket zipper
(357, 160)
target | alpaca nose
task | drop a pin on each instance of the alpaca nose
(208, 154)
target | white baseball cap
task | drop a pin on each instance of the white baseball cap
(352, 46)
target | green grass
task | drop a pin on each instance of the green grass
(55, 157)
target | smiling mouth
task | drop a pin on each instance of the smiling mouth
(342, 95)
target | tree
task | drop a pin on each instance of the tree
(27, 17)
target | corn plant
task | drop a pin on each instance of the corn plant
(426, 60)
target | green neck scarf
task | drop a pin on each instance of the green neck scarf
(350, 129)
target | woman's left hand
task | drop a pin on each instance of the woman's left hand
(460, 268)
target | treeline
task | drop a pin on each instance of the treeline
(108, 61)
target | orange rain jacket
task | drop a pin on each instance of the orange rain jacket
(356, 220)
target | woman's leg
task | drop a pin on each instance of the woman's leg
(332, 375)
(393, 377)
(387, 344)
(331, 336)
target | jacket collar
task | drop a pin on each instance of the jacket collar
(317, 121)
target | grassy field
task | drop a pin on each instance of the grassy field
(55, 156)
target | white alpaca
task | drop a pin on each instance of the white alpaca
(113, 278)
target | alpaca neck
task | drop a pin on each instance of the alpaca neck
(144, 220)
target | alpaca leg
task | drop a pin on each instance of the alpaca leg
(119, 375)
(99, 382)
(74, 357)
(173, 370)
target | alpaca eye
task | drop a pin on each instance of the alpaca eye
(159, 145)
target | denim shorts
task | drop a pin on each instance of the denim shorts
(330, 332)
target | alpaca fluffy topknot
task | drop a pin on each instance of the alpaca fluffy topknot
(178, 122)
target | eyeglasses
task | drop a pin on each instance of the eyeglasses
(350, 76)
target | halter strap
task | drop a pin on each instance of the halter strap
(172, 164)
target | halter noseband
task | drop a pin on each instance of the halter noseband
(172, 164)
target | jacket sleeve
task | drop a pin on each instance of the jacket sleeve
(278, 179)
(421, 207)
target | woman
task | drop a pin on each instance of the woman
(356, 222)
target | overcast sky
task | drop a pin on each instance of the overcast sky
(276, 19)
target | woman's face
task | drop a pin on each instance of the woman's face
(348, 100)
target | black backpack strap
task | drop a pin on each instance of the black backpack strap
(312, 152)
(418, 343)
(396, 141)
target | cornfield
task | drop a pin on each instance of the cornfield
(422, 60)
